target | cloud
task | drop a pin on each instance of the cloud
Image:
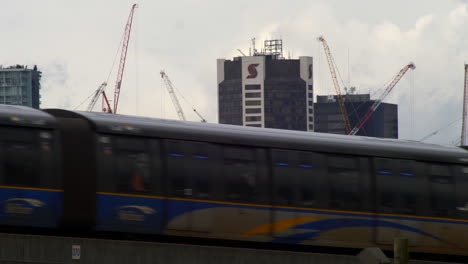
(76, 54)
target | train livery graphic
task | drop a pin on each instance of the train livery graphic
(101, 172)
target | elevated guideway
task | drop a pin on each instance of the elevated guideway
(34, 249)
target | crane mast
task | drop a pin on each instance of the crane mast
(377, 103)
(331, 65)
(465, 110)
(123, 57)
(174, 99)
(96, 95)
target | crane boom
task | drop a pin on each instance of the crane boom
(331, 65)
(174, 99)
(123, 57)
(96, 96)
(377, 103)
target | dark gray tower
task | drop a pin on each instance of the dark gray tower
(266, 90)
(328, 117)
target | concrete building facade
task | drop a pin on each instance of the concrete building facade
(328, 117)
(266, 91)
(20, 86)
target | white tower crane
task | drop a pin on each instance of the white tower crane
(174, 99)
(96, 96)
(465, 109)
(331, 65)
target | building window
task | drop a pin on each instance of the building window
(311, 119)
(254, 125)
(311, 111)
(310, 95)
(253, 110)
(255, 102)
(253, 95)
(310, 87)
(253, 118)
(253, 87)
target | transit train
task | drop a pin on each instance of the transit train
(70, 170)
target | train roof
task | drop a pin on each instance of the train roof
(15, 115)
(266, 137)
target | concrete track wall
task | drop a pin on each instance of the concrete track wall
(18, 249)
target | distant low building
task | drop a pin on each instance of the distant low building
(20, 86)
(328, 117)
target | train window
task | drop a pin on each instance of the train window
(190, 168)
(21, 164)
(310, 172)
(345, 185)
(397, 185)
(461, 193)
(240, 174)
(442, 189)
(133, 165)
(297, 178)
(284, 179)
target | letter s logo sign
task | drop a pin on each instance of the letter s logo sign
(310, 71)
(252, 71)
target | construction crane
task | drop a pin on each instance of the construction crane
(331, 65)
(123, 57)
(174, 99)
(376, 104)
(96, 96)
(241, 52)
(465, 108)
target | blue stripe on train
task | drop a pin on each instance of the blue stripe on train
(129, 214)
(145, 214)
(34, 208)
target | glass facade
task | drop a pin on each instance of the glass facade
(20, 86)
(285, 104)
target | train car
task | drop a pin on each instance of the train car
(31, 191)
(174, 178)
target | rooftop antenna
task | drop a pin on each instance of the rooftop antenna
(253, 47)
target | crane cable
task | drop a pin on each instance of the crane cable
(440, 129)
(108, 76)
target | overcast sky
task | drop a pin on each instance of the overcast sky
(74, 44)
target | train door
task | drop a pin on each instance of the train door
(244, 211)
(459, 237)
(191, 167)
(29, 191)
(400, 195)
(129, 184)
(299, 186)
(442, 204)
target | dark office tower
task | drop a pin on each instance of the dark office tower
(266, 90)
(328, 117)
(20, 86)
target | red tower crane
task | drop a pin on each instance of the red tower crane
(123, 57)
(376, 104)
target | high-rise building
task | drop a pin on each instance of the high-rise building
(328, 117)
(266, 90)
(20, 86)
